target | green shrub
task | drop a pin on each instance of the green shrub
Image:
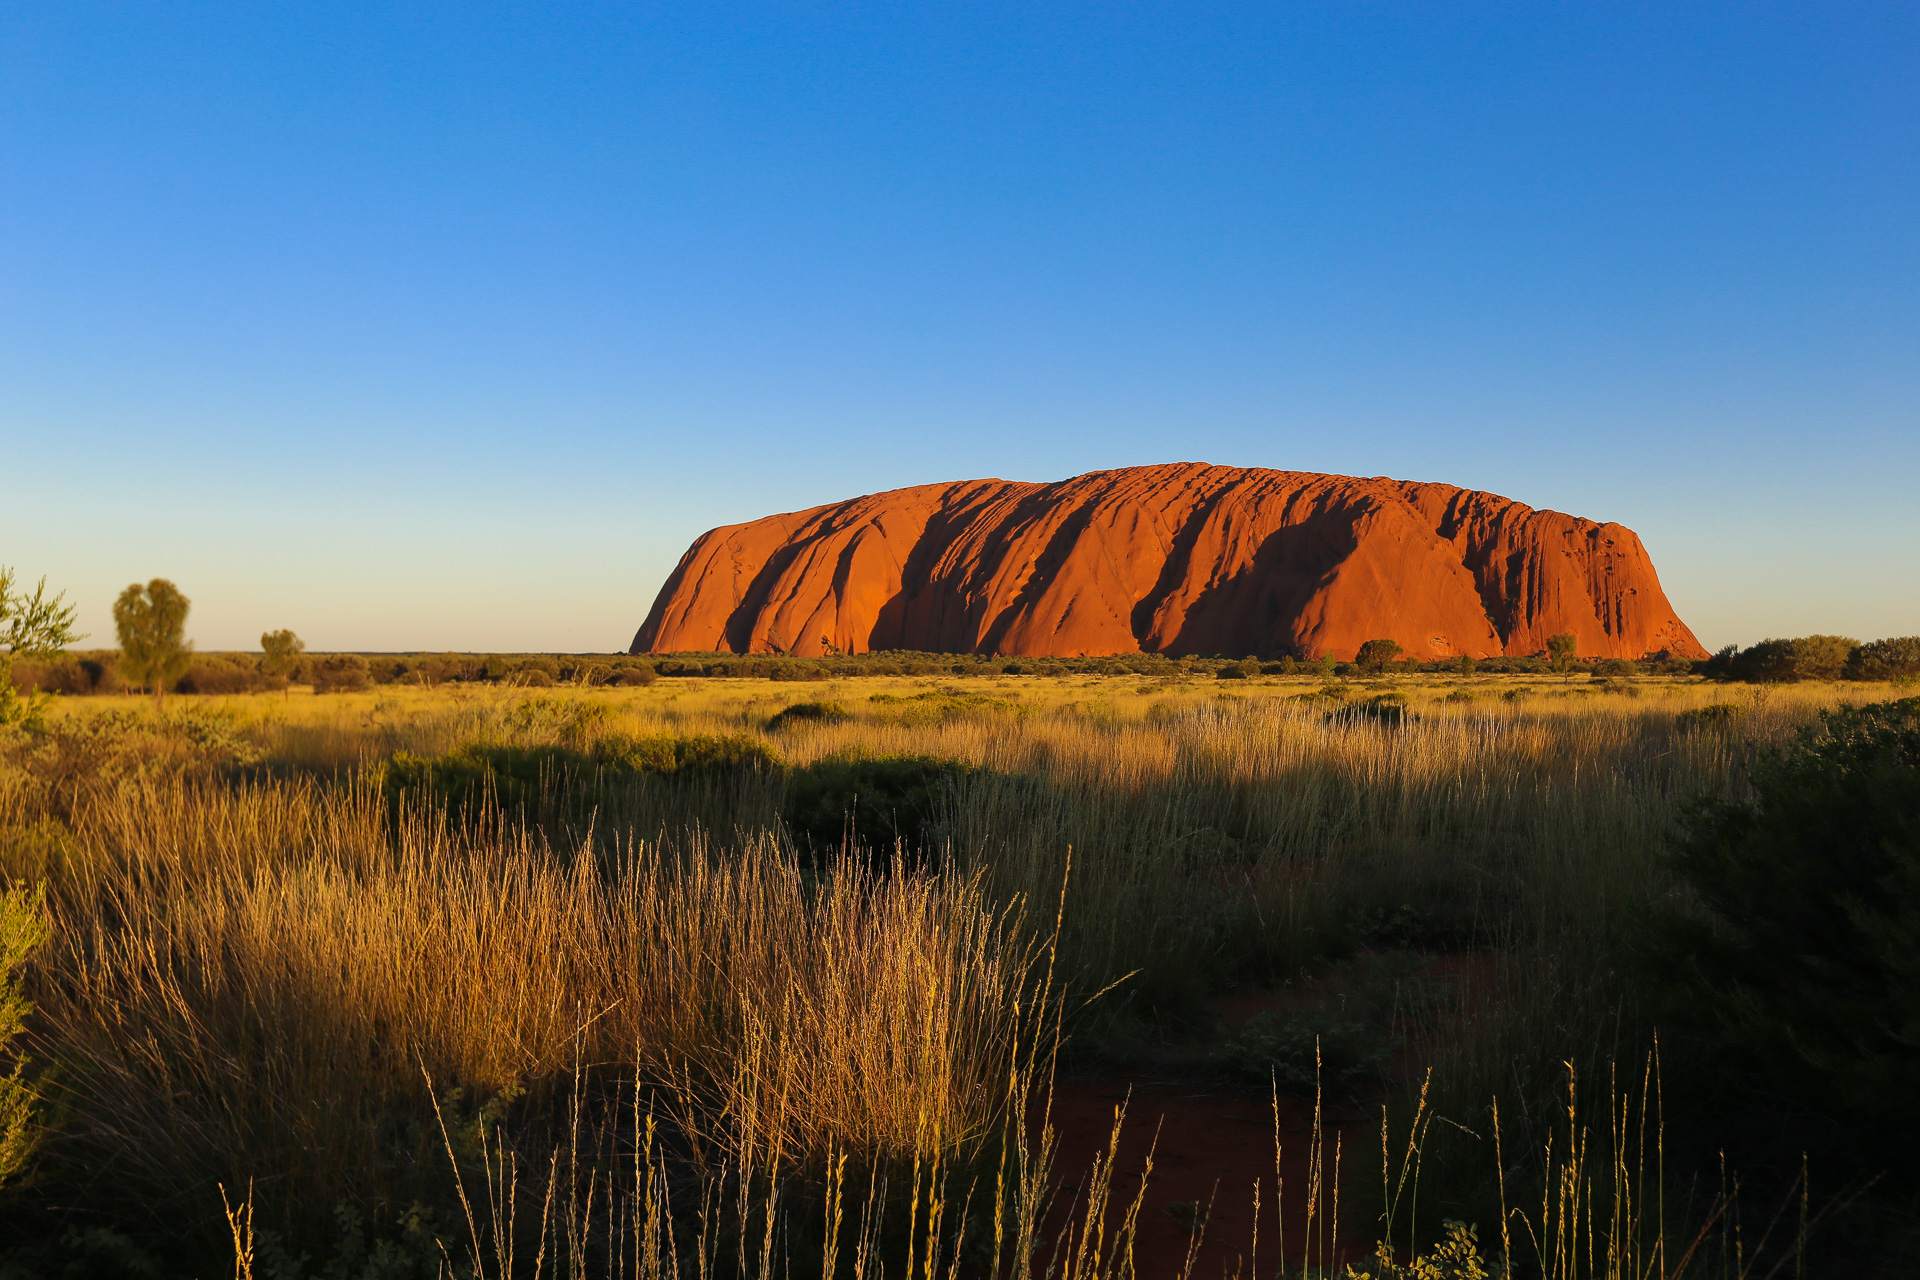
(515, 775)
(1715, 714)
(1388, 710)
(1606, 668)
(1890, 659)
(22, 929)
(338, 673)
(1808, 967)
(1779, 661)
(222, 673)
(1376, 654)
(810, 713)
(871, 801)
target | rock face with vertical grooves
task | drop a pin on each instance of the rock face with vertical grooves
(1184, 558)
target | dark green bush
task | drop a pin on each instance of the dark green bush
(1607, 668)
(810, 712)
(515, 775)
(1375, 654)
(1715, 714)
(1784, 661)
(870, 801)
(1890, 659)
(1807, 967)
(1388, 710)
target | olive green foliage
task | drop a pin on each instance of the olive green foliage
(339, 673)
(222, 673)
(1808, 966)
(22, 929)
(1608, 668)
(151, 623)
(1376, 654)
(280, 654)
(1563, 650)
(30, 627)
(1455, 1257)
(811, 713)
(937, 706)
(1388, 710)
(1786, 661)
(873, 803)
(1715, 714)
(1807, 658)
(1895, 658)
(514, 775)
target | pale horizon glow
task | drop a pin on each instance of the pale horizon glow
(450, 327)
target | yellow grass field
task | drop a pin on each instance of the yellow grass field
(275, 964)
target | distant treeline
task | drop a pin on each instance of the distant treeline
(1817, 658)
(1807, 658)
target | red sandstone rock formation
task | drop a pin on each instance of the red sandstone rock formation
(1181, 558)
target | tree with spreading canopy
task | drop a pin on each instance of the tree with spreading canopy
(281, 650)
(152, 626)
(1376, 654)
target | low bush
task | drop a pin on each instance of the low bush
(514, 775)
(223, 673)
(871, 803)
(338, 673)
(1711, 715)
(1804, 965)
(1388, 710)
(810, 713)
(1607, 668)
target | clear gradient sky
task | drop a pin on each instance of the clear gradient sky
(448, 326)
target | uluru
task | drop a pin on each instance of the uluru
(1181, 558)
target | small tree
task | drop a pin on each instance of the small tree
(1822, 657)
(1374, 655)
(152, 625)
(1562, 651)
(1895, 658)
(281, 650)
(1464, 664)
(30, 627)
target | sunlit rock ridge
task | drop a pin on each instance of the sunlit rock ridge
(1182, 558)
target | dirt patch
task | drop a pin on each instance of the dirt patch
(1213, 1148)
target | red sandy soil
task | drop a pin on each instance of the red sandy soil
(1209, 1148)
(1211, 1140)
(1180, 559)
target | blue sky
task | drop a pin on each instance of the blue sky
(448, 326)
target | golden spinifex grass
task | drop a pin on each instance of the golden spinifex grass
(272, 976)
(247, 982)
